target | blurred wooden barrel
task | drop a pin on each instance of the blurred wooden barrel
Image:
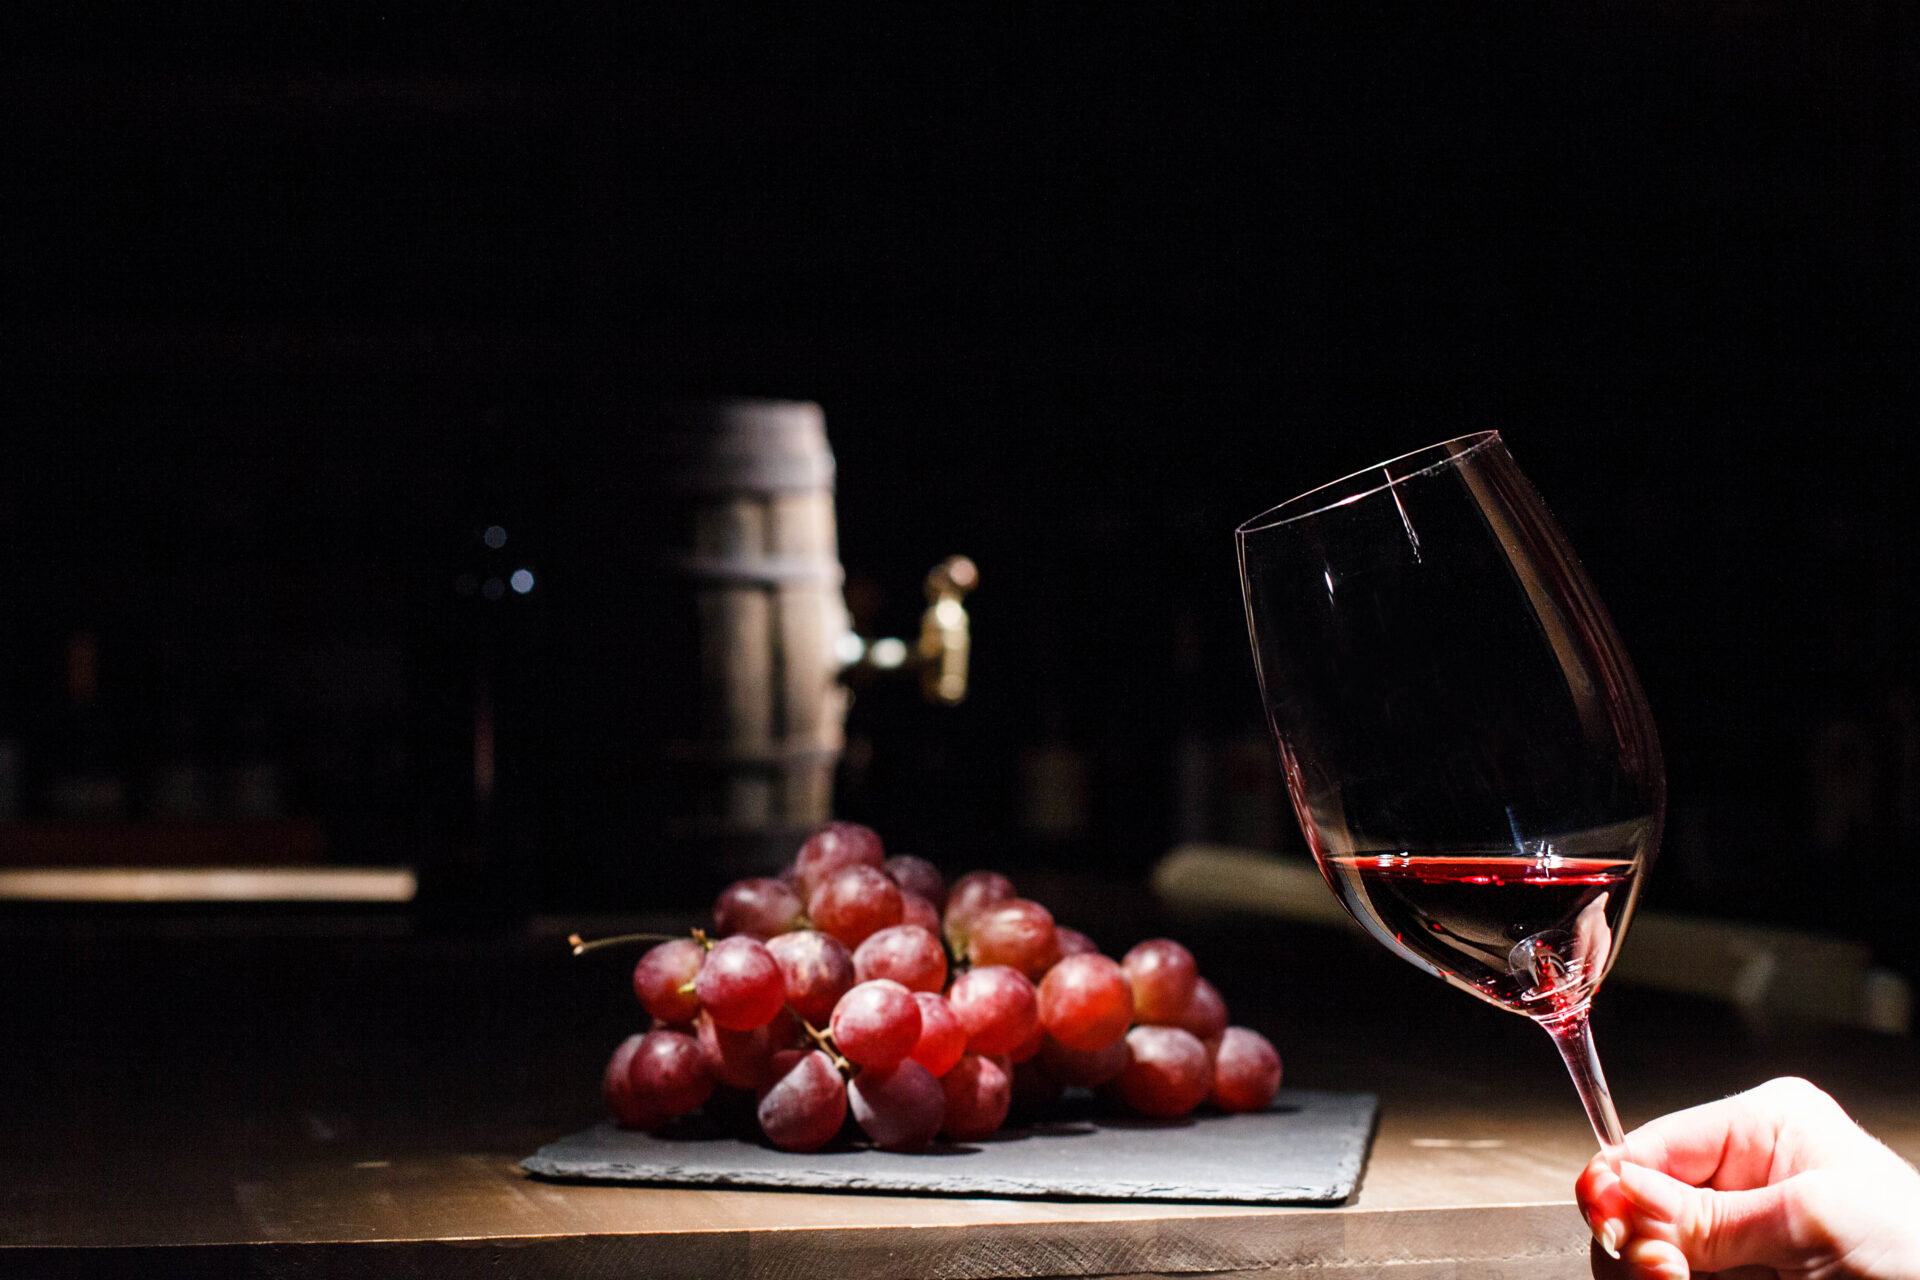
(697, 712)
(754, 549)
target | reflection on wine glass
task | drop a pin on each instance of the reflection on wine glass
(1463, 739)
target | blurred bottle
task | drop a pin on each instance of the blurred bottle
(177, 782)
(1192, 752)
(253, 782)
(1056, 782)
(84, 774)
(1056, 774)
(13, 755)
(474, 682)
(1860, 725)
(12, 768)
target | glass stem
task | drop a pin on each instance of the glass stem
(1574, 1038)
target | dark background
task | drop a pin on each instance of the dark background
(301, 298)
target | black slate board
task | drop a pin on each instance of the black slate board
(1307, 1148)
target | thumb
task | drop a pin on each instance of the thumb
(1716, 1230)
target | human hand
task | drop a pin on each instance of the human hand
(1778, 1179)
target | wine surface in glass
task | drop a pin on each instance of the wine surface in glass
(1531, 934)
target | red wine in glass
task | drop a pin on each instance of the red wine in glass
(1464, 741)
(1532, 937)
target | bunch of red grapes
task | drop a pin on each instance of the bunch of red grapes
(859, 982)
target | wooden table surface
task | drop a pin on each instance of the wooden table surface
(307, 1096)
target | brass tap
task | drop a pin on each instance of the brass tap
(941, 655)
(946, 632)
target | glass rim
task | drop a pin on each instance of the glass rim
(1447, 453)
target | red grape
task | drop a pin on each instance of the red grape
(805, 1102)
(877, 1024)
(1169, 1074)
(942, 1038)
(996, 1005)
(910, 955)
(1087, 1069)
(917, 875)
(1162, 973)
(1018, 933)
(915, 909)
(832, 846)
(1030, 1046)
(855, 902)
(661, 976)
(851, 940)
(978, 1092)
(971, 894)
(628, 1109)
(669, 1074)
(741, 984)
(760, 907)
(1246, 1071)
(1086, 1002)
(1073, 942)
(741, 1058)
(1205, 1014)
(818, 970)
(899, 1108)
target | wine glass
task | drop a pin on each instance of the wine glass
(1464, 742)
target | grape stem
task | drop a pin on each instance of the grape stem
(825, 1040)
(581, 946)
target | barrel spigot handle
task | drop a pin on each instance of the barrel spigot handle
(940, 657)
(946, 632)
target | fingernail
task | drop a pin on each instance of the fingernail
(1656, 1260)
(1611, 1235)
(1652, 1192)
